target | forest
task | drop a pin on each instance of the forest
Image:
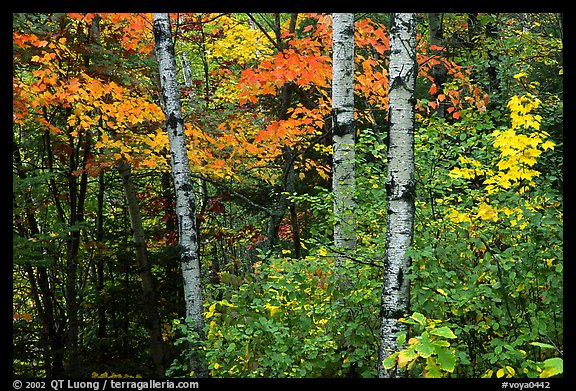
(287, 195)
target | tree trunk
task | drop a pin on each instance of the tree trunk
(286, 184)
(343, 135)
(77, 194)
(100, 260)
(185, 204)
(42, 291)
(186, 70)
(147, 279)
(399, 185)
(439, 72)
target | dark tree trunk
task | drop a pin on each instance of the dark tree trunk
(146, 276)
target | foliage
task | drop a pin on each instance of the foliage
(495, 284)
(283, 321)
(487, 258)
(431, 345)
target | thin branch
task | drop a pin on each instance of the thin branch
(500, 278)
(274, 43)
(296, 154)
(267, 211)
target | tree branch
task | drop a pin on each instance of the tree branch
(261, 28)
(267, 211)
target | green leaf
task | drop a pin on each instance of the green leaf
(440, 343)
(400, 340)
(418, 317)
(389, 362)
(552, 366)
(443, 332)
(432, 370)
(542, 345)
(446, 359)
(423, 347)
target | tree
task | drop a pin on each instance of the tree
(148, 288)
(486, 261)
(439, 71)
(343, 136)
(185, 204)
(400, 185)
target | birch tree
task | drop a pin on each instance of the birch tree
(185, 203)
(399, 184)
(343, 135)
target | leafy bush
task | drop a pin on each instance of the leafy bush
(431, 345)
(488, 259)
(286, 320)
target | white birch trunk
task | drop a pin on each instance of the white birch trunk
(186, 70)
(185, 205)
(343, 135)
(399, 185)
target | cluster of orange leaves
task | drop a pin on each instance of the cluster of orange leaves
(127, 124)
(61, 96)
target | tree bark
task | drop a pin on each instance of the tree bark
(186, 70)
(100, 260)
(343, 136)
(400, 184)
(42, 290)
(77, 194)
(146, 276)
(185, 204)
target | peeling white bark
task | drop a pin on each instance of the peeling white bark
(344, 129)
(185, 205)
(399, 185)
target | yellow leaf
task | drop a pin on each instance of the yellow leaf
(405, 356)
(486, 212)
(510, 370)
(488, 374)
(500, 373)
(211, 311)
(274, 309)
(442, 292)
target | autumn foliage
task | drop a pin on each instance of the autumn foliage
(256, 98)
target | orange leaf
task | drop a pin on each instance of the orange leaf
(219, 163)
